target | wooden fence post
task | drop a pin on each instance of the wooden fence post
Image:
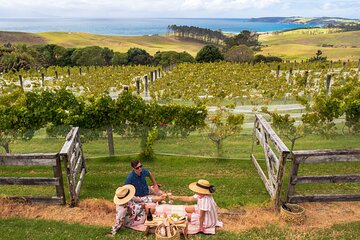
(21, 81)
(146, 85)
(328, 82)
(331, 65)
(58, 174)
(278, 71)
(42, 79)
(151, 77)
(110, 138)
(138, 87)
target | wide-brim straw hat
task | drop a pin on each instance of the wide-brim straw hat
(201, 186)
(124, 194)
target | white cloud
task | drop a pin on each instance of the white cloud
(180, 8)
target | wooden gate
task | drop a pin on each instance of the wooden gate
(49, 159)
(275, 163)
(74, 162)
(319, 156)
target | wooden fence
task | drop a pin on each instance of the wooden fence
(321, 156)
(74, 162)
(50, 159)
(275, 163)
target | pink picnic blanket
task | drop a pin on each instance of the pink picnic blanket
(175, 209)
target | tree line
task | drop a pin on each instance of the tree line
(203, 34)
(16, 57)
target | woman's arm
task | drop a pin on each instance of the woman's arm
(183, 198)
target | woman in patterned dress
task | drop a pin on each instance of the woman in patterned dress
(204, 213)
(130, 210)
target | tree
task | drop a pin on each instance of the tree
(246, 37)
(119, 59)
(322, 113)
(168, 58)
(239, 54)
(318, 57)
(88, 56)
(17, 119)
(261, 58)
(222, 125)
(49, 54)
(152, 121)
(138, 56)
(107, 54)
(209, 53)
(19, 57)
(65, 59)
(285, 126)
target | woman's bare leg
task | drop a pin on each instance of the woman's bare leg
(189, 210)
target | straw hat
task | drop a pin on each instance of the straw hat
(202, 186)
(124, 194)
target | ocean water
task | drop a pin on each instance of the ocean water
(136, 26)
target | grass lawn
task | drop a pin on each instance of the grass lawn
(15, 228)
(236, 180)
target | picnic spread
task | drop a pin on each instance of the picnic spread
(143, 208)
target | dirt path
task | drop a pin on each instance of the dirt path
(102, 212)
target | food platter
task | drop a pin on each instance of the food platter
(176, 219)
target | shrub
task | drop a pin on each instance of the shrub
(240, 53)
(209, 53)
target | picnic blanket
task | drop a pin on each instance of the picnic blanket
(175, 209)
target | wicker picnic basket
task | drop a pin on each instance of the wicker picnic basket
(174, 230)
(295, 216)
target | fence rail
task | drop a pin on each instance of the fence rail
(35, 160)
(321, 156)
(74, 162)
(274, 158)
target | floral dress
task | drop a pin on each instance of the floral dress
(130, 214)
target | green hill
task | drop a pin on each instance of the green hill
(303, 43)
(151, 44)
(295, 44)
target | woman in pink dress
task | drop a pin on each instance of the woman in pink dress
(204, 213)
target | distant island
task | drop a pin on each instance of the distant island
(303, 20)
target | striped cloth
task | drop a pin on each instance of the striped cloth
(208, 205)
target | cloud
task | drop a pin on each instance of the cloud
(179, 8)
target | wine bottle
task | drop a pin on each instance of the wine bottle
(149, 216)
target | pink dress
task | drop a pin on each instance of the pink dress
(207, 204)
(130, 214)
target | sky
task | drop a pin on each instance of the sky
(179, 8)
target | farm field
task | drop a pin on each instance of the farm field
(303, 43)
(289, 45)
